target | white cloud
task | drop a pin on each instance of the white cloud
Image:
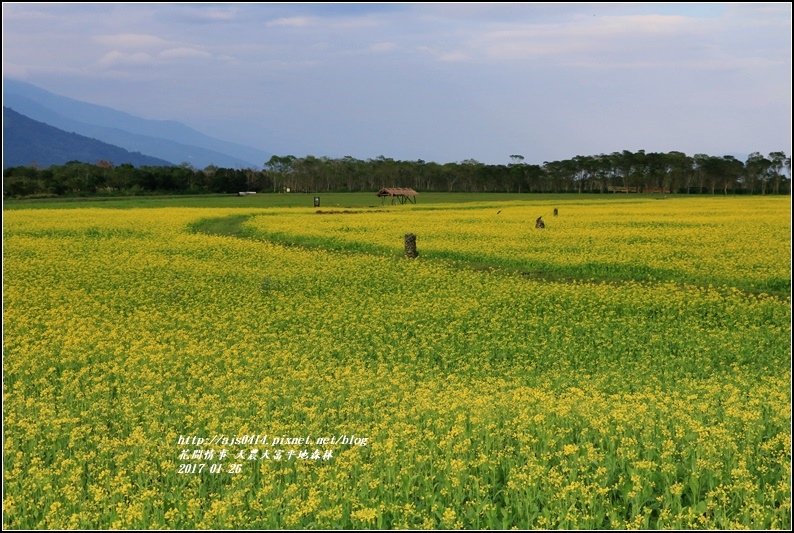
(581, 35)
(292, 22)
(131, 40)
(216, 14)
(630, 25)
(116, 58)
(200, 15)
(326, 23)
(353, 23)
(184, 53)
(19, 13)
(451, 56)
(135, 49)
(382, 47)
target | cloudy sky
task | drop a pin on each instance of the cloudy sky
(437, 82)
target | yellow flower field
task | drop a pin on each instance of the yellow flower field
(581, 376)
(732, 241)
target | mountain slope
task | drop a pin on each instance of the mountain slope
(166, 139)
(26, 141)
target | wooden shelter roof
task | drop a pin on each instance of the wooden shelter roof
(397, 191)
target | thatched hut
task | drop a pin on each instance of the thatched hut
(398, 194)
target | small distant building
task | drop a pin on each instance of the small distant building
(398, 194)
(615, 188)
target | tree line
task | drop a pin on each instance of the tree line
(625, 171)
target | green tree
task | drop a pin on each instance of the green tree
(756, 172)
(779, 163)
(279, 169)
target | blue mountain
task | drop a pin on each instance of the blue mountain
(169, 140)
(27, 142)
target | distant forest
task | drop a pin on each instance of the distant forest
(626, 171)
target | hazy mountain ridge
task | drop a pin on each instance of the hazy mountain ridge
(27, 141)
(166, 139)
